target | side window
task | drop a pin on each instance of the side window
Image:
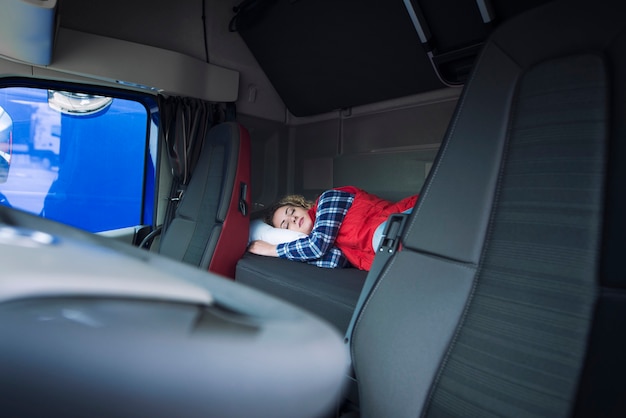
(77, 158)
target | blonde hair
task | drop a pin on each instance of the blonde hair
(291, 200)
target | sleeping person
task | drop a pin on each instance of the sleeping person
(340, 228)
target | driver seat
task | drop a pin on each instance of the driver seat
(508, 297)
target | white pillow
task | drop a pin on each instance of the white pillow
(259, 230)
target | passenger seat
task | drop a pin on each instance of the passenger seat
(211, 223)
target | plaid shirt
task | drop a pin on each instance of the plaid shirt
(318, 247)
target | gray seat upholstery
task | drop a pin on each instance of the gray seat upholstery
(509, 296)
(330, 294)
(211, 222)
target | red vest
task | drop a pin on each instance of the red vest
(357, 229)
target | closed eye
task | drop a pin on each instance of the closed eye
(288, 212)
(285, 222)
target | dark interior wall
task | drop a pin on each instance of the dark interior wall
(387, 152)
(315, 146)
(387, 149)
(421, 125)
(269, 143)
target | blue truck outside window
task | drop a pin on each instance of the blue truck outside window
(89, 167)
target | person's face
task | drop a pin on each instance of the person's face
(293, 218)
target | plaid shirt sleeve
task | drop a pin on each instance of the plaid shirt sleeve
(318, 247)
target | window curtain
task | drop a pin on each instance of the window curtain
(184, 124)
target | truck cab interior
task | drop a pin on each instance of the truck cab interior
(142, 144)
